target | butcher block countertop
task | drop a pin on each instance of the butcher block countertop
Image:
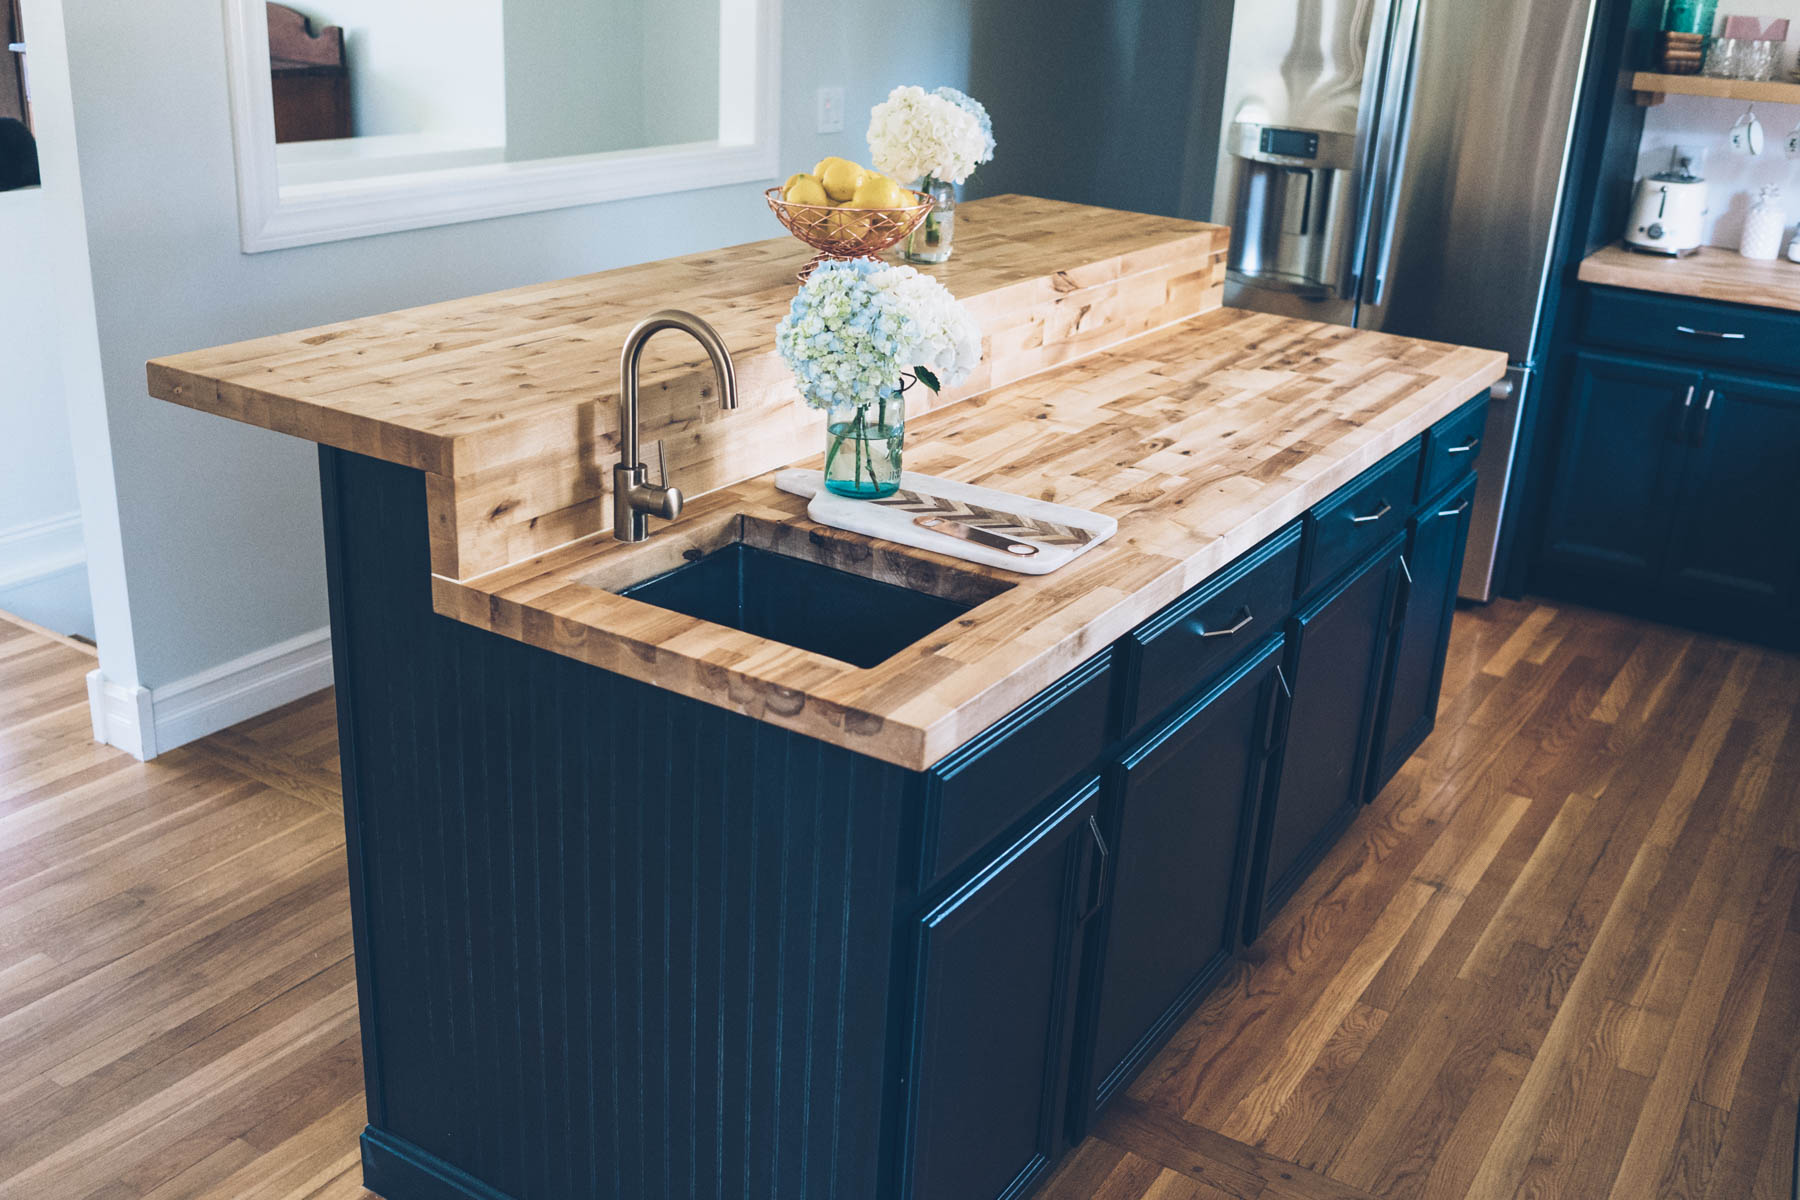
(1712, 274)
(1113, 381)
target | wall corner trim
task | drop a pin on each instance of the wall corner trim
(145, 722)
(121, 715)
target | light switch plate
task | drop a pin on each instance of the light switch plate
(831, 110)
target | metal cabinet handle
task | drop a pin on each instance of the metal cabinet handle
(1458, 511)
(1711, 333)
(1238, 628)
(1701, 422)
(1465, 448)
(1385, 509)
(1097, 884)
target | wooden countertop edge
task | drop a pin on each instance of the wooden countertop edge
(855, 707)
(1712, 274)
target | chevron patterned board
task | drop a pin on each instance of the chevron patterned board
(1060, 532)
(1044, 533)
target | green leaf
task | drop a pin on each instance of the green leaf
(927, 378)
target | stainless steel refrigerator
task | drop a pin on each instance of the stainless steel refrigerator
(1398, 165)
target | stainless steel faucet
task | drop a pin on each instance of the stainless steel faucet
(635, 500)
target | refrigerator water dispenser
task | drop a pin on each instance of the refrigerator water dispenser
(1293, 217)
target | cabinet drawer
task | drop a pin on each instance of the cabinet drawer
(978, 792)
(1182, 647)
(1363, 515)
(1452, 447)
(1721, 334)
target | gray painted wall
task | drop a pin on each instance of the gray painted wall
(1114, 104)
(220, 522)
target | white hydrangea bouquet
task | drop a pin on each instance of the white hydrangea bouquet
(856, 336)
(937, 138)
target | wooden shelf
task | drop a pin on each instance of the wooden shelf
(1651, 87)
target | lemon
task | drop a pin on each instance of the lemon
(878, 191)
(847, 225)
(804, 189)
(841, 179)
(819, 170)
(793, 179)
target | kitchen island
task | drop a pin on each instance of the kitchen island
(646, 905)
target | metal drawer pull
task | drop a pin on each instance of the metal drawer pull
(1385, 509)
(1465, 447)
(1710, 333)
(1103, 859)
(1458, 511)
(1238, 628)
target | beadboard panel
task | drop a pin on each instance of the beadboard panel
(596, 906)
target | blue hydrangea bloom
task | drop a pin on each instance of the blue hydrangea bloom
(842, 337)
(974, 107)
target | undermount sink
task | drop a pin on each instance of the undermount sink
(840, 595)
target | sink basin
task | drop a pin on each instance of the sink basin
(833, 594)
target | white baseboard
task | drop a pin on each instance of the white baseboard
(121, 715)
(145, 722)
(40, 549)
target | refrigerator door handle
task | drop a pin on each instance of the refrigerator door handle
(1368, 131)
(1394, 131)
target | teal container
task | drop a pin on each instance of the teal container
(1690, 16)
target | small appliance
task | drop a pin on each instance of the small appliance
(1668, 214)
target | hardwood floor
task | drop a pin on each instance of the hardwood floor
(177, 1003)
(1559, 957)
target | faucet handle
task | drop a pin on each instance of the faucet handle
(662, 464)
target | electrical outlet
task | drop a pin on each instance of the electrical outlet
(831, 110)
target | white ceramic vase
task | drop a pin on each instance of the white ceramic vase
(1764, 227)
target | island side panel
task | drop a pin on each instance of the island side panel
(610, 941)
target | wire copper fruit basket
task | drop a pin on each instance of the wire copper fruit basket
(845, 233)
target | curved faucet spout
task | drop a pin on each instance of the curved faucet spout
(634, 498)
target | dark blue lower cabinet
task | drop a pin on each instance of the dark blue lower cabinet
(1337, 657)
(1732, 541)
(614, 942)
(1676, 483)
(1434, 552)
(1625, 432)
(987, 1067)
(1180, 809)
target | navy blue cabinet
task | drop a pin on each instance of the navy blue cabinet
(1433, 563)
(1180, 811)
(1624, 440)
(1675, 483)
(1338, 657)
(1732, 538)
(763, 965)
(988, 1065)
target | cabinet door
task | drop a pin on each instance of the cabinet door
(1432, 567)
(988, 1064)
(1627, 423)
(1338, 655)
(1733, 532)
(1180, 812)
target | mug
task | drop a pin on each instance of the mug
(1747, 135)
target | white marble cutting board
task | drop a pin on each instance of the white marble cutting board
(896, 525)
